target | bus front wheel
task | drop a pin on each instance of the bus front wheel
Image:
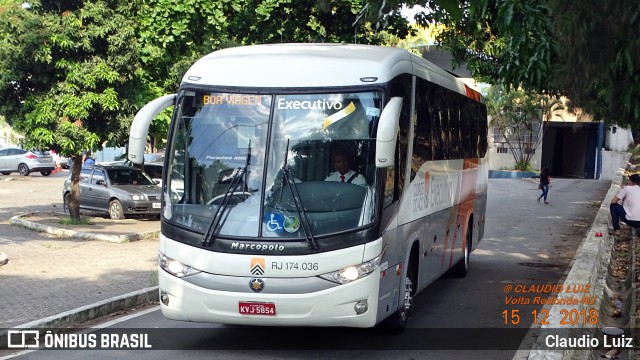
(397, 322)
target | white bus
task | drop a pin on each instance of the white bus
(253, 233)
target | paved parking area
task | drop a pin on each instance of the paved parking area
(47, 275)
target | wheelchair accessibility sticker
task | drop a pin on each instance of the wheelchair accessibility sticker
(274, 222)
(279, 222)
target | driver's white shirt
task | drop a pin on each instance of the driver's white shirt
(358, 180)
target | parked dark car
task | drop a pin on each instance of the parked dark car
(25, 162)
(119, 190)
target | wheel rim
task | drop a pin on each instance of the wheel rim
(466, 257)
(408, 299)
(115, 210)
(466, 251)
(23, 169)
(65, 204)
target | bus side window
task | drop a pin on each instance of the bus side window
(402, 86)
(441, 125)
(422, 128)
(454, 125)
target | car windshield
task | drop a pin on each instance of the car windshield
(128, 177)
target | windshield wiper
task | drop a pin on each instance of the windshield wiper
(239, 175)
(297, 200)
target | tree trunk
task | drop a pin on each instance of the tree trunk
(74, 198)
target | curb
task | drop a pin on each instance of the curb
(77, 316)
(589, 267)
(121, 238)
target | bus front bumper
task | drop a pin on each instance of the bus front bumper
(181, 300)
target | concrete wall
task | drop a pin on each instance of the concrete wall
(502, 161)
(618, 139)
(612, 164)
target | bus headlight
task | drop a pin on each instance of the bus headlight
(175, 267)
(353, 273)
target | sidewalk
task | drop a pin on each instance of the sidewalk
(98, 228)
(64, 268)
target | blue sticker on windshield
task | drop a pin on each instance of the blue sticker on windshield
(274, 222)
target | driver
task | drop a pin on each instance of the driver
(344, 173)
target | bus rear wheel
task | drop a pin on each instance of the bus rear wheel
(461, 269)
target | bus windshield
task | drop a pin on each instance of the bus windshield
(222, 164)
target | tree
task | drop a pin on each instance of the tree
(75, 72)
(585, 50)
(520, 116)
(70, 78)
(174, 35)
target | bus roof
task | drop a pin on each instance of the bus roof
(312, 65)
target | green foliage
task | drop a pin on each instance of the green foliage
(174, 35)
(69, 77)
(523, 165)
(585, 50)
(520, 115)
(635, 154)
(76, 72)
(83, 220)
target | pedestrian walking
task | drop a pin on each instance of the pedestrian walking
(629, 211)
(545, 184)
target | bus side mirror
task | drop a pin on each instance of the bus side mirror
(140, 126)
(387, 134)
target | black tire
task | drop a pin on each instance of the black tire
(397, 322)
(116, 212)
(23, 169)
(461, 269)
(65, 203)
(45, 173)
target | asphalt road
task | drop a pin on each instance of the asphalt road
(526, 243)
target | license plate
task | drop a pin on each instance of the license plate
(155, 205)
(257, 308)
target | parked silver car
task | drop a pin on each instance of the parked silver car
(119, 190)
(25, 162)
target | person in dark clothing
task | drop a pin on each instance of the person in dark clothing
(87, 159)
(545, 184)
